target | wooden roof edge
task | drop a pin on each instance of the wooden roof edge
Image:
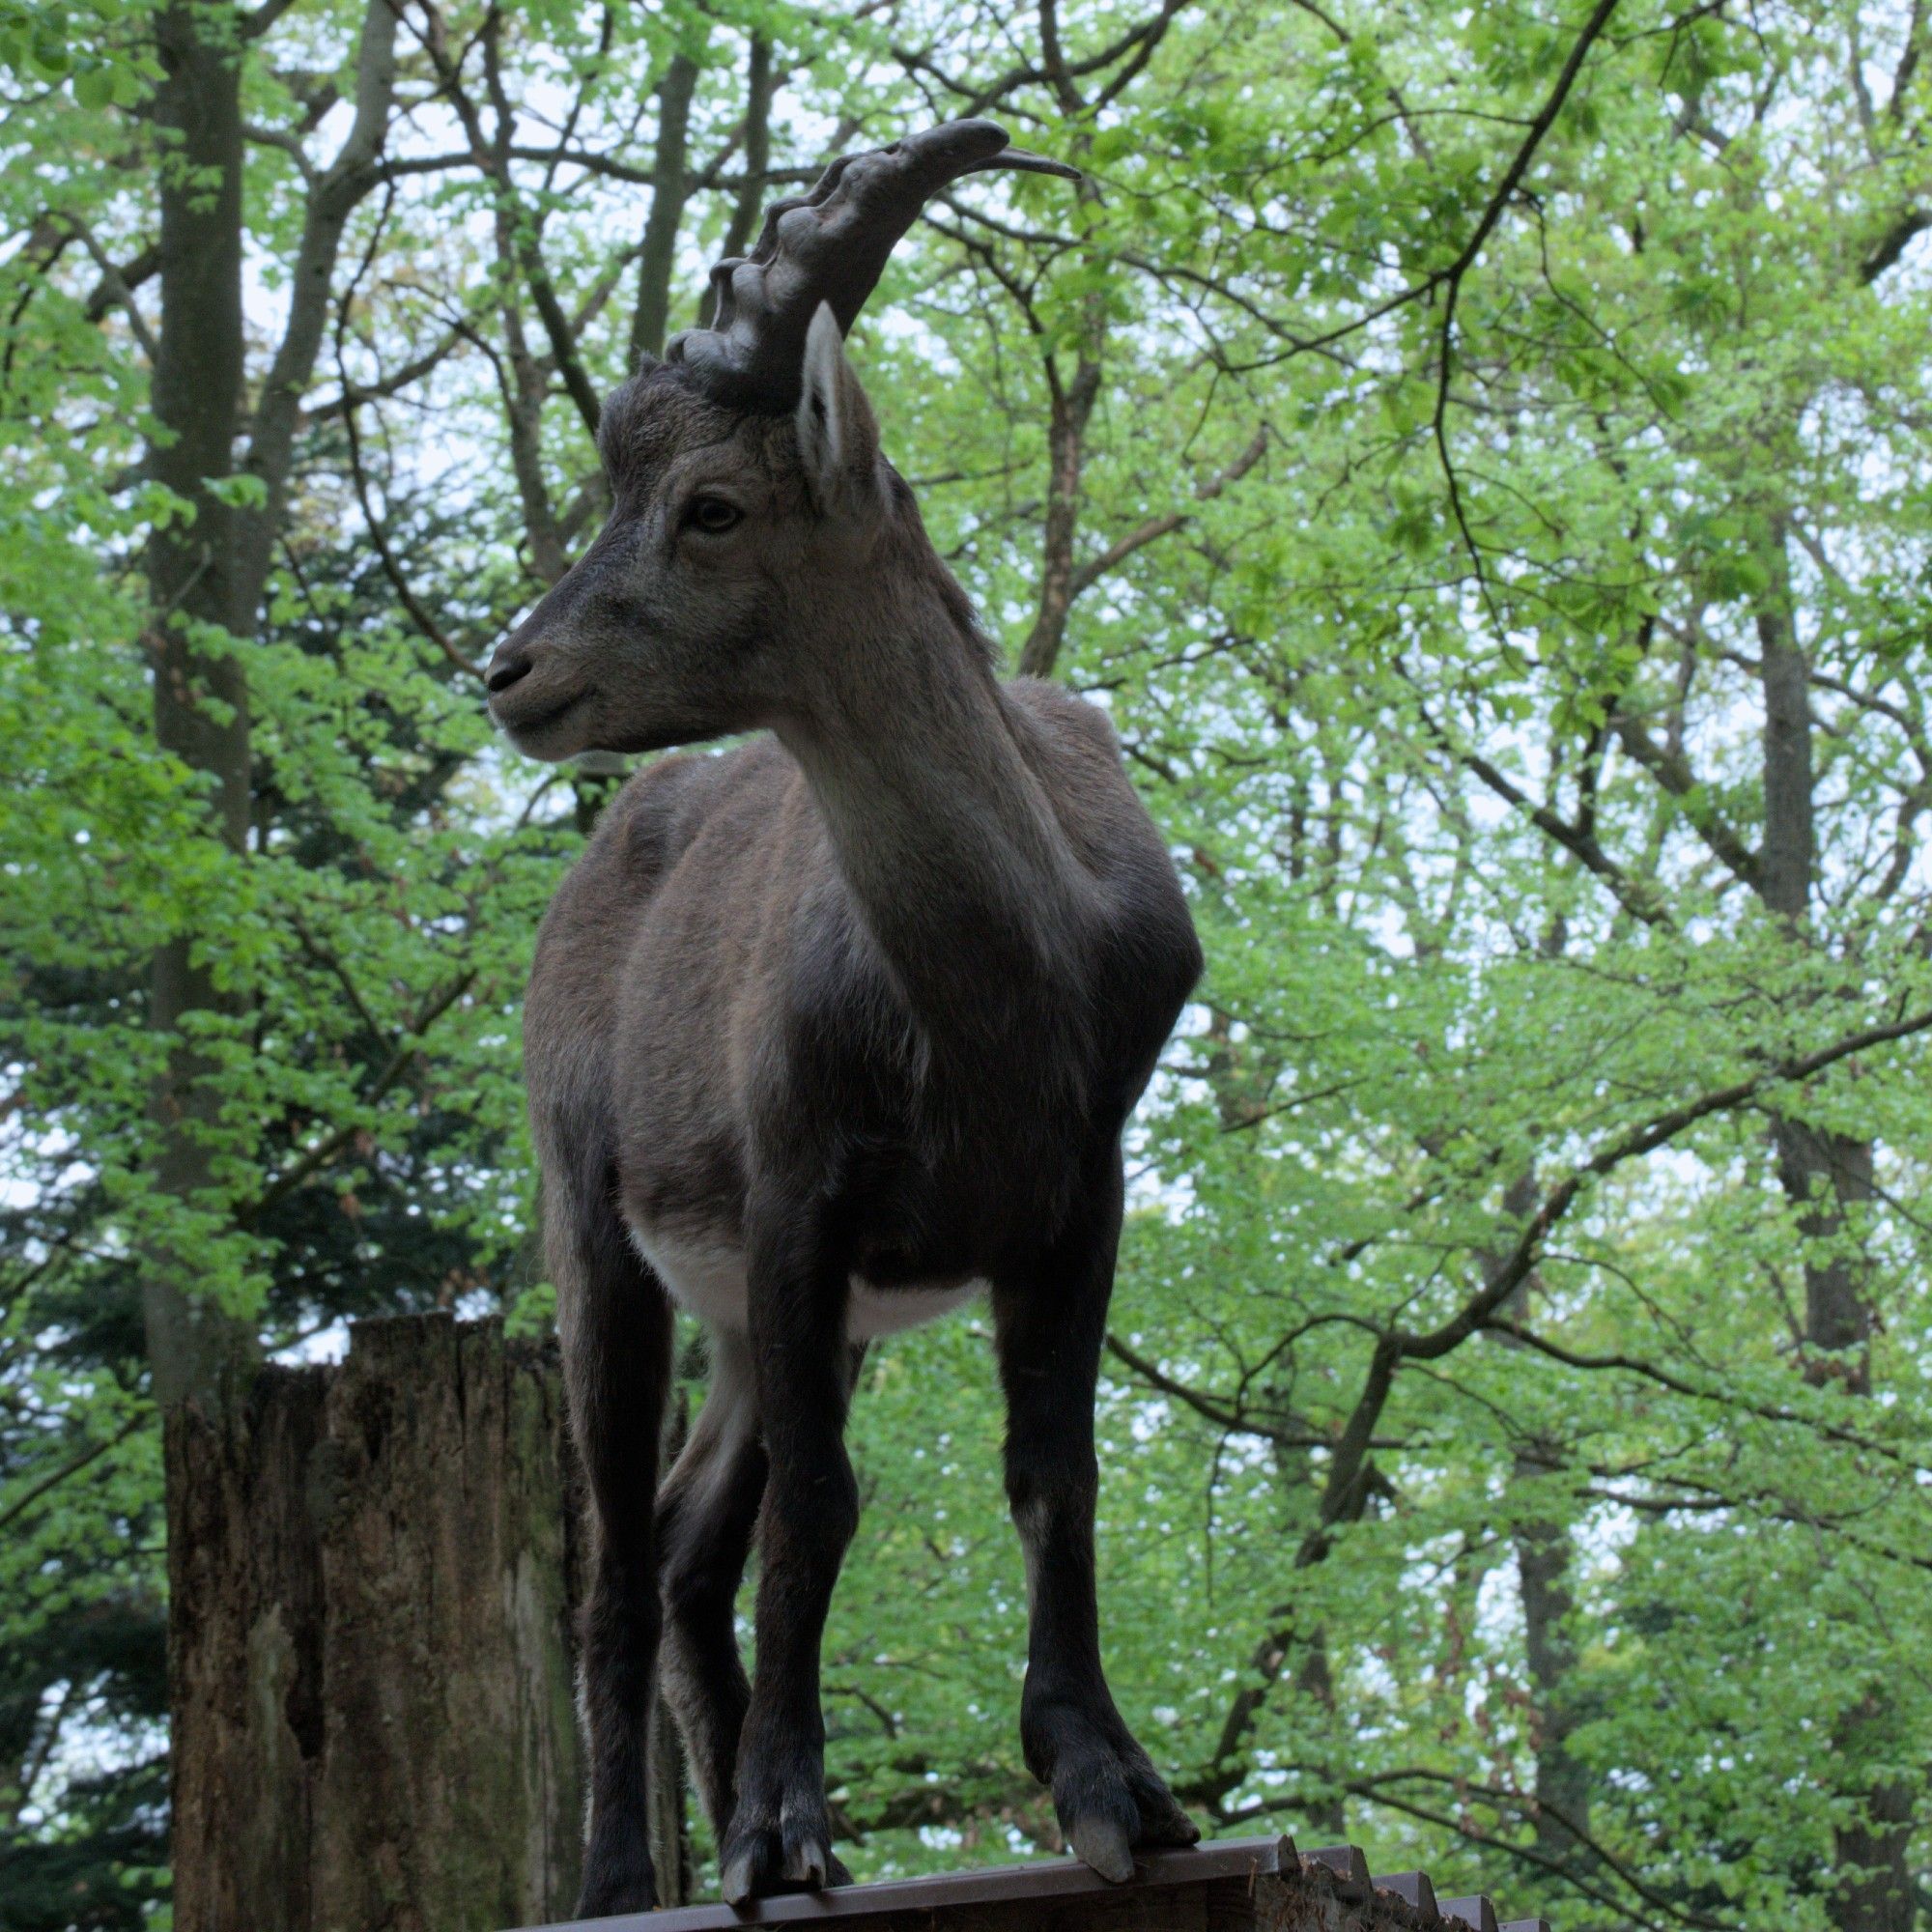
(1403, 1903)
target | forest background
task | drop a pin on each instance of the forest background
(1476, 454)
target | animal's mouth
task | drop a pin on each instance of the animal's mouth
(526, 726)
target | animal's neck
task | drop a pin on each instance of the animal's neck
(945, 838)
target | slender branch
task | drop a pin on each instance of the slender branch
(1647, 1138)
(1026, 74)
(1635, 1365)
(1637, 896)
(419, 613)
(1373, 1790)
(1671, 769)
(93, 1453)
(1234, 1419)
(405, 376)
(290, 1178)
(1451, 280)
(1451, 275)
(333, 195)
(518, 232)
(1156, 528)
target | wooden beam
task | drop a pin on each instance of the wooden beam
(1241, 1885)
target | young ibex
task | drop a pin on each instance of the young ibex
(823, 1038)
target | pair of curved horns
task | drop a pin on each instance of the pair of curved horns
(829, 246)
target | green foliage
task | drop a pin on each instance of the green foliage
(1440, 598)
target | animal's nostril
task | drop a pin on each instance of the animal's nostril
(503, 675)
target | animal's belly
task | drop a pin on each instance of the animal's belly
(707, 1276)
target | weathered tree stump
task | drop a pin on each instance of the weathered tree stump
(373, 1569)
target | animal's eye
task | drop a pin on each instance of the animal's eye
(713, 515)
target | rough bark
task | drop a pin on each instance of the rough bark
(1562, 1782)
(201, 698)
(372, 1570)
(760, 85)
(1543, 1556)
(1072, 402)
(670, 187)
(1825, 1176)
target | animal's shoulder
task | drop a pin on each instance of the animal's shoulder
(1153, 957)
(1073, 750)
(630, 871)
(638, 838)
(1071, 720)
(664, 808)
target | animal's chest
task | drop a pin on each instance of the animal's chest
(705, 1273)
(932, 1167)
(917, 1234)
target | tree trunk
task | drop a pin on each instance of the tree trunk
(201, 698)
(1072, 405)
(760, 85)
(206, 569)
(372, 1571)
(669, 186)
(1543, 1557)
(669, 1836)
(668, 1822)
(1562, 1782)
(1873, 1851)
(1822, 1176)
(1072, 400)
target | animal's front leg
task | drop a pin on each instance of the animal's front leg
(781, 1833)
(615, 1323)
(1107, 1795)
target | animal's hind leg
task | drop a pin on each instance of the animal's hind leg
(1050, 1327)
(706, 1513)
(614, 1321)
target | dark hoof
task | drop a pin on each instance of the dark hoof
(1111, 1803)
(1104, 1844)
(761, 1861)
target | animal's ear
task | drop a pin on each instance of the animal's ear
(838, 434)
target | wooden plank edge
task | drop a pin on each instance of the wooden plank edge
(989, 1884)
(1476, 1912)
(1416, 1892)
(1347, 1870)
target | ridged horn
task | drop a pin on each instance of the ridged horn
(829, 246)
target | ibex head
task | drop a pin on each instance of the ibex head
(748, 492)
